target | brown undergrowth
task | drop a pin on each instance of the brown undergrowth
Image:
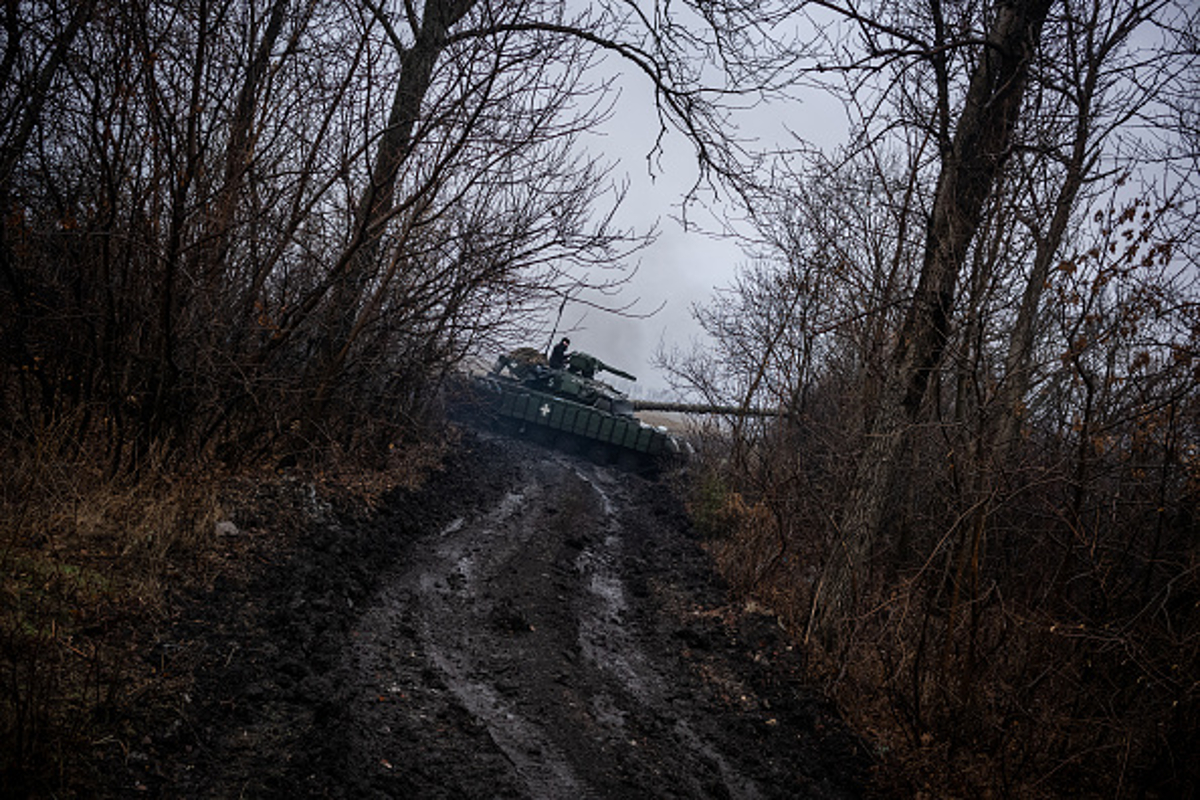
(1011, 693)
(91, 565)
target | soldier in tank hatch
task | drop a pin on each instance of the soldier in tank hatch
(558, 356)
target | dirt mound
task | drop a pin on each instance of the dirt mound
(528, 625)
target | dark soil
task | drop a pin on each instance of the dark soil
(528, 625)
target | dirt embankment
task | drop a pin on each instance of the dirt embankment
(530, 625)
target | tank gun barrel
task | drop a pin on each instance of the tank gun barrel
(707, 408)
(619, 373)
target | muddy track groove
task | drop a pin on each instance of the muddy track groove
(554, 630)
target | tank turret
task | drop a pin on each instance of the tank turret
(576, 382)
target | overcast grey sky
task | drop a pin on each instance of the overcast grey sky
(681, 268)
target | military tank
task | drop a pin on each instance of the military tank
(571, 405)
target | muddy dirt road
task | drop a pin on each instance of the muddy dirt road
(543, 628)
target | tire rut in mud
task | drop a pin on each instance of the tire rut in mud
(530, 625)
(542, 647)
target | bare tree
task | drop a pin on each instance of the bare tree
(973, 149)
(1021, 371)
(263, 224)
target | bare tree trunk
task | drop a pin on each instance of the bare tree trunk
(1102, 36)
(16, 142)
(377, 205)
(981, 143)
(167, 371)
(239, 151)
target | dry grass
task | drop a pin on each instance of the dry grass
(1014, 704)
(89, 567)
(83, 558)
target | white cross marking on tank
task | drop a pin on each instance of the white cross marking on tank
(545, 409)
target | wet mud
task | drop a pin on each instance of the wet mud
(531, 625)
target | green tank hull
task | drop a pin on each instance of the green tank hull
(530, 407)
